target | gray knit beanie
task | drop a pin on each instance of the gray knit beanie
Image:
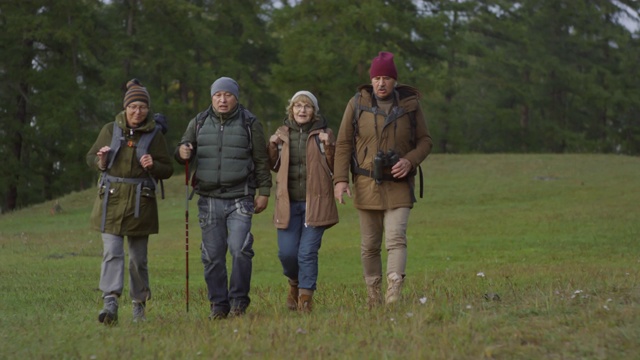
(309, 95)
(226, 84)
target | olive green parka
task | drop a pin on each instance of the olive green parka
(120, 218)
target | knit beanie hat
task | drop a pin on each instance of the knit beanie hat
(226, 84)
(309, 95)
(382, 65)
(136, 92)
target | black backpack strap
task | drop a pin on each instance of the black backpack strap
(412, 119)
(200, 119)
(322, 151)
(247, 120)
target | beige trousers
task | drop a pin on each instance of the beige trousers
(372, 225)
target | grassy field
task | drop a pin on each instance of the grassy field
(556, 237)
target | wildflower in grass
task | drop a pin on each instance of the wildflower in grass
(423, 300)
(469, 307)
(409, 314)
(480, 274)
(576, 293)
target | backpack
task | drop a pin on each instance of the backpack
(355, 168)
(142, 147)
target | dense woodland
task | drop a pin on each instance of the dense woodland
(558, 76)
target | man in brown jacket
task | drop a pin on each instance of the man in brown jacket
(383, 138)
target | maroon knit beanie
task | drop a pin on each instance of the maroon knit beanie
(382, 65)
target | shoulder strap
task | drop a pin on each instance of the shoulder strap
(200, 119)
(247, 120)
(116, 141)
(145, 141)
(322, 151)
(142, 147)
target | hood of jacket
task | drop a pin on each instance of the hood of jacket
(147, 125)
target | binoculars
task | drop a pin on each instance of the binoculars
(383, 161)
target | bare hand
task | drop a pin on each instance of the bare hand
(401, 169)
(146, 161)
(260, 203)
(275, 139)
(324, 137)
(185, 151)
(339, 189)
(103, 154)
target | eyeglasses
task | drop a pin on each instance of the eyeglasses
(141, 108)
(305, 107)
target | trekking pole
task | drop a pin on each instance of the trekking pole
(186, 227)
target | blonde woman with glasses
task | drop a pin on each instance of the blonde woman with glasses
(301, 153)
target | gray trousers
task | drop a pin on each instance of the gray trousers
(112, 271)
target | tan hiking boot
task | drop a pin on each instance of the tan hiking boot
(394, 288)
(292, 296)
(374, 292)
(305, 301)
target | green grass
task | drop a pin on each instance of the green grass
(555, 236)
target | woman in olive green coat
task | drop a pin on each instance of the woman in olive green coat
(132, 154)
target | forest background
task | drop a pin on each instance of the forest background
(496, 76)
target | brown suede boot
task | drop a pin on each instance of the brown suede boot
(292, 296)
(305, 301)
(394, 288)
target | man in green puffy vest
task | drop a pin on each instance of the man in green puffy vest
(227, 144)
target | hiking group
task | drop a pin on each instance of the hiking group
(381, 142)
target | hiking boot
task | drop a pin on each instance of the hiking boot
(305, 301)
(292, 296)
(236, 312)
(109, 313)
(139, 311)
(374, 292)
(217, 314)
(394, 288)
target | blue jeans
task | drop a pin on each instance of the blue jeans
(226, 224)
(298, 248)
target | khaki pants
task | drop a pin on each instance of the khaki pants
(394, 225)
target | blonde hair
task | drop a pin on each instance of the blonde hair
(304, 99)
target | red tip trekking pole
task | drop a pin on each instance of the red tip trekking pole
(186, 227)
